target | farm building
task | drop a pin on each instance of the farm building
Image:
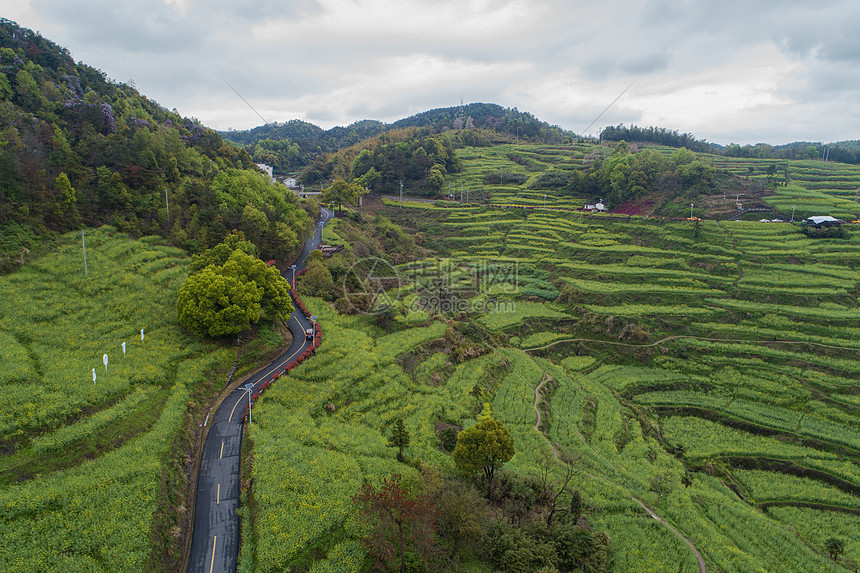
(599, 206)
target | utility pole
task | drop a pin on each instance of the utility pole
(248, 388)
(401, 194)
(167, 204)
(84, 241)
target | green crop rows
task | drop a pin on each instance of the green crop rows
(630, 273)
(60, 510)
(743, 336)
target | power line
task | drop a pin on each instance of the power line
(584, 131)
(246, 101)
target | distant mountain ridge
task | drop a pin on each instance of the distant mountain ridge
(311, 140)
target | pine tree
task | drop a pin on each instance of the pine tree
(399, 438)
(575, 506)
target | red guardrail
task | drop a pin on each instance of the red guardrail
(309, 351)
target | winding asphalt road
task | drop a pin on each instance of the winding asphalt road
(215, 536)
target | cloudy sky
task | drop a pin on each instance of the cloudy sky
(727, 71)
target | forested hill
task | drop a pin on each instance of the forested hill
(307, 137)
(658, 135)
(488, 116)
(292, 145)
(839, 151)
(77, 149)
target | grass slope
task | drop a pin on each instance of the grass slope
(88, 471)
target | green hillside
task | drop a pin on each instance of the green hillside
(78, 149)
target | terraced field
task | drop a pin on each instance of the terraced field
(813, 187)
(723, 362)
(709, 370)
(511, 173)
(836, 179)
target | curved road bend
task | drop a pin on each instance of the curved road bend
(215, 536)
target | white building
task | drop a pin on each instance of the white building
(267, 169)
(291, 182)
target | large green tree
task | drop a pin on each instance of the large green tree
(486, 446)
(317, 280)
(227, 298)
(340, 192)
(219, 254)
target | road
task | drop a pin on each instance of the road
(215, 535)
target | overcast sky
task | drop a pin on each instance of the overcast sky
(748, 71)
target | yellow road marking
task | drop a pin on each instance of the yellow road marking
(212, 562)
(221, 455)
(218, 496)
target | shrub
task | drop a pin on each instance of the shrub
(449, 438)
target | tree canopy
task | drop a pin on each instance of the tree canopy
(652, 134)
(340, 192)
(485, 446)
(395, 521)
(410, 155)
(627, 175)
(835, 547)
(225, 298)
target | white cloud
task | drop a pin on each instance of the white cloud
(181, 6)
(395, 21)
(733, 92)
